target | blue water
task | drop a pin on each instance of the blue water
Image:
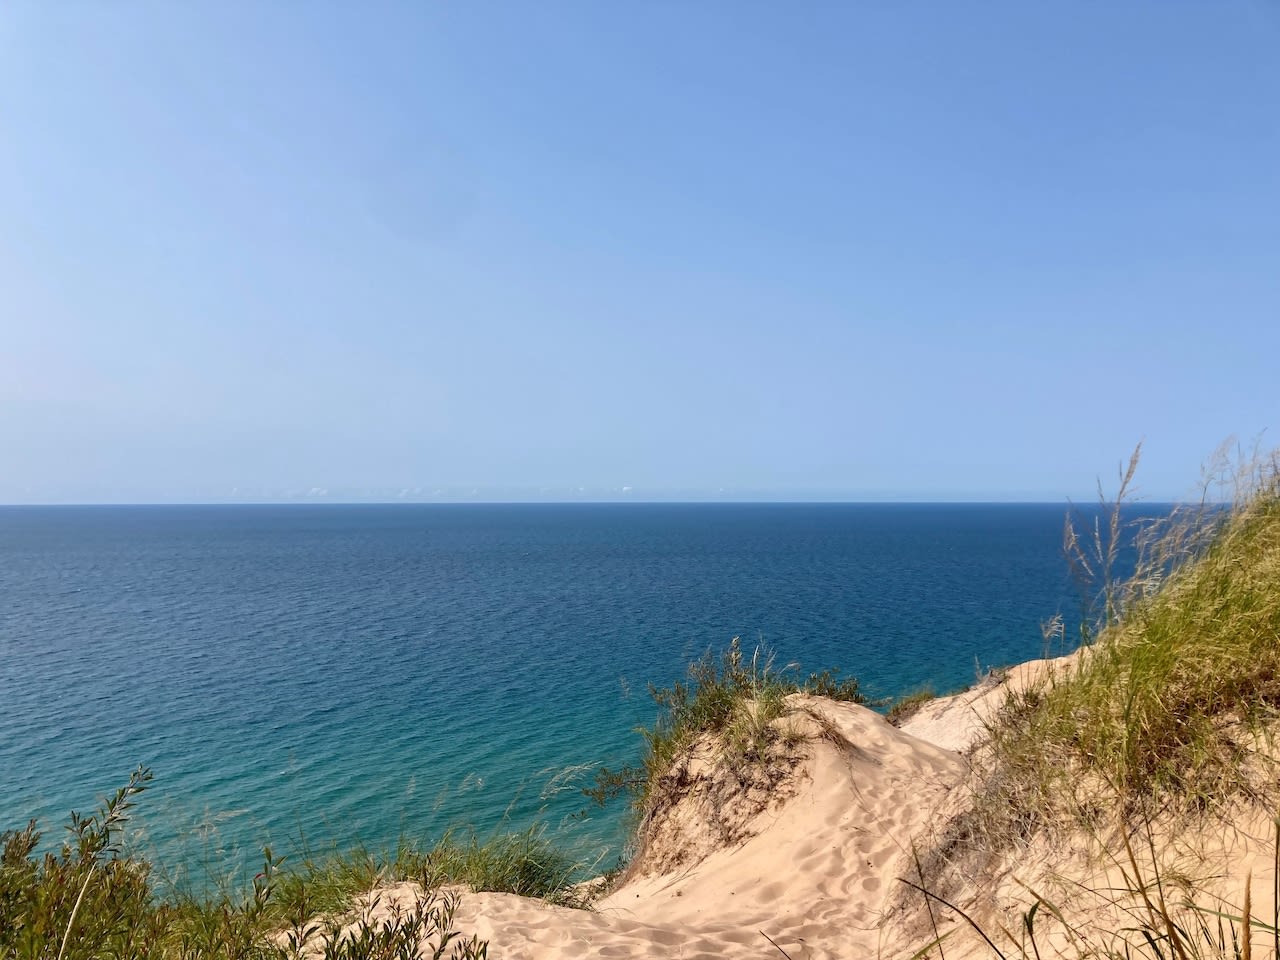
(342, 674)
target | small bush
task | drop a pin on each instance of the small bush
(89, 901)
(397, 932)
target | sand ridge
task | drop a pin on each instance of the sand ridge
(959, 721)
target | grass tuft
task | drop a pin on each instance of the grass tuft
(733, 699)
(527, 863)
(908, 705)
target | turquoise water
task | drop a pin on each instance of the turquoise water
(346, 674)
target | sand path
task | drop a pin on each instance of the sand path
(815, 877)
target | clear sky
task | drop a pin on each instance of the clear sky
(550, 251)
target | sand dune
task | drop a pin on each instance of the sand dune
(815, 864)
(814, 875)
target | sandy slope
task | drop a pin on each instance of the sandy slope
(814, 877)
(815, 865)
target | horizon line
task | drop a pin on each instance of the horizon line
(316, 502)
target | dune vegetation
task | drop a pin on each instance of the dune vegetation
(731, 699)
(1154, 745)
(1175, 694)
(89, 899)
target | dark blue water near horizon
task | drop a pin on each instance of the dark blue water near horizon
(366, 672)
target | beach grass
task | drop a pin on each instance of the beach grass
(527, 862)
(1164, 727)
(730, 697)
(906, 706)
(1176, 694)
(90, 899)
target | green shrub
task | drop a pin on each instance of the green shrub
(89, 901)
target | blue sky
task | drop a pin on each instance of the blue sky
(603, 250)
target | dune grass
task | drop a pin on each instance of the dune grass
(1180, 686)
(527, 863)
(732, 698)
(908, 705)
(89, 899)
(1165, 722)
